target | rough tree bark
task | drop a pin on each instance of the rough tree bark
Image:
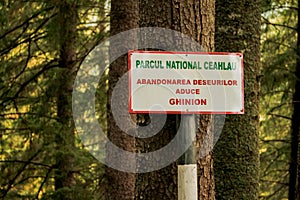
(195, 19)
(294, 182)
(65, 139)
(236, 152)
(124, 16)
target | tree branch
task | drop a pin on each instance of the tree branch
(267, 141)
(266, 21)
(22, 87)
(25, 22)
(281, 116)
(282, 7)
(25, 162)
(12, 181)
(44, 181)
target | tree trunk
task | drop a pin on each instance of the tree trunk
(206, 180)
(236, 153)
(294, 188)
(64, 177)
(124, 16)
(195, 19)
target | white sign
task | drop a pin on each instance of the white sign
(185, 82)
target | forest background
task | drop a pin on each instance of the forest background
(40, 52)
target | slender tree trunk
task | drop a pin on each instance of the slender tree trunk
(206, 180)
(236, 152)
(64, 177)
(294, 188)
(195, 19)
(124, 16)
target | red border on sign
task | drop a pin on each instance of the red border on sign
(131, 111)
